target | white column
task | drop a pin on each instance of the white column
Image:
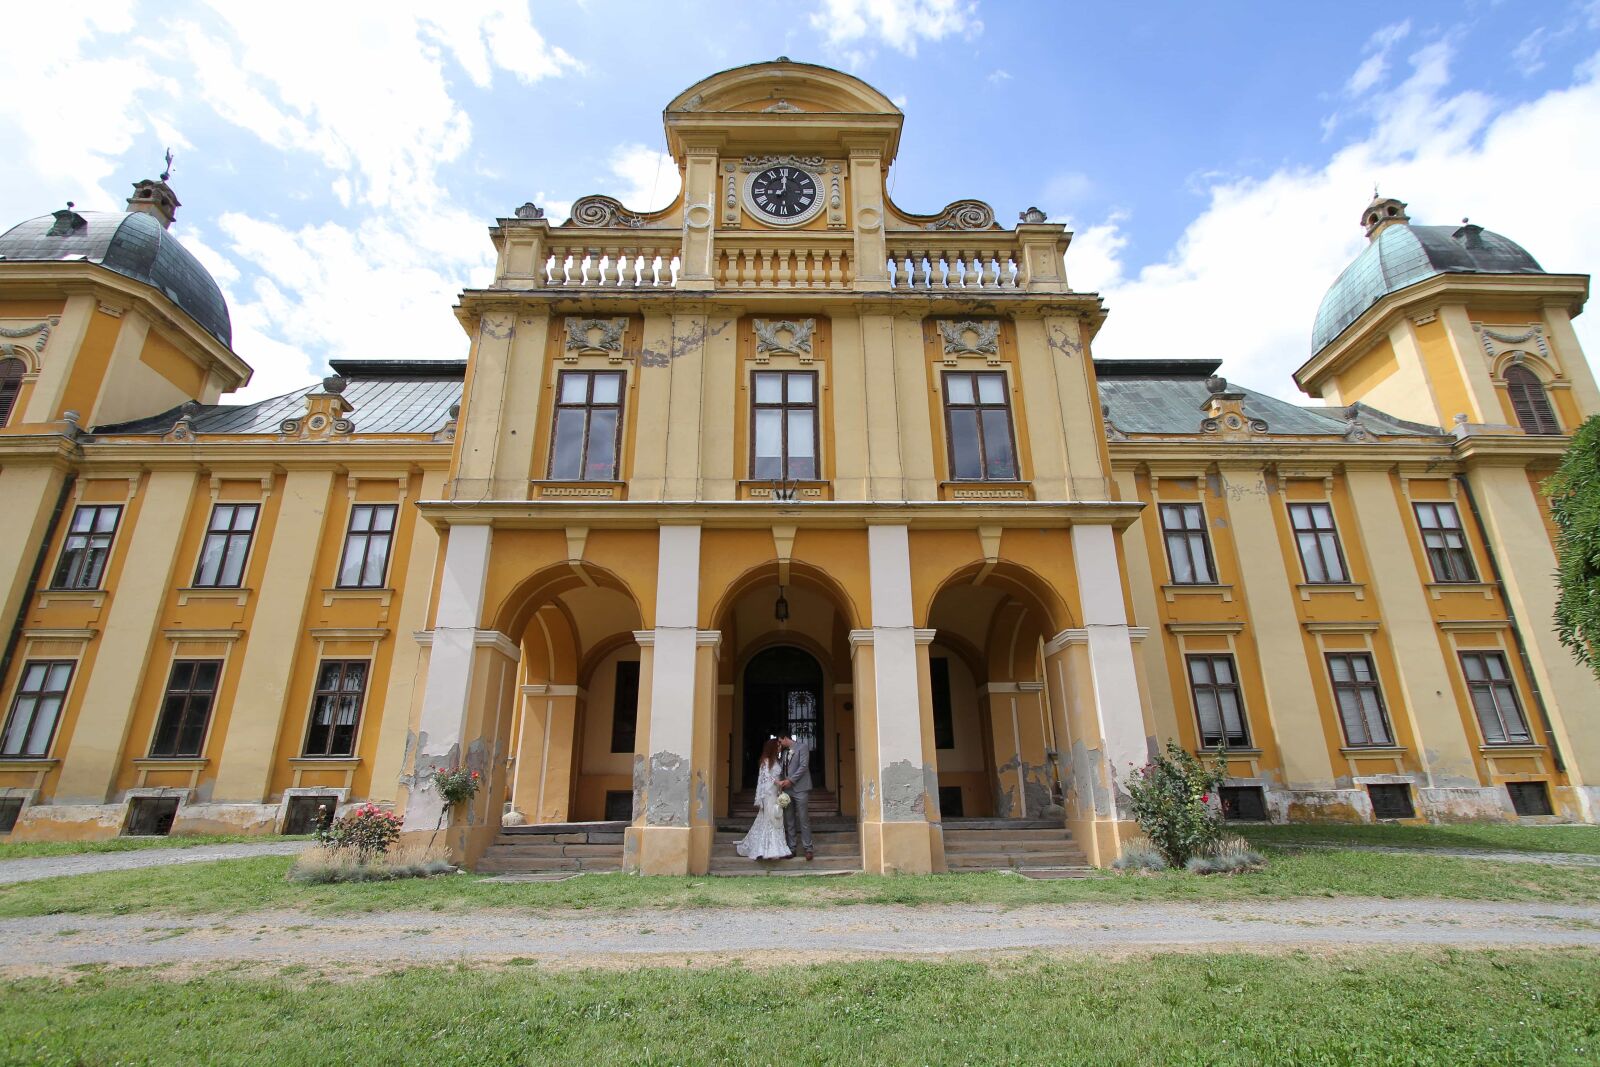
(671, 725)
(902, 770)
(1116, 684)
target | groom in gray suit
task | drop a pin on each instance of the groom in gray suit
(796, 781)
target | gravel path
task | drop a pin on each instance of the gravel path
(49, 943)
(36, 867)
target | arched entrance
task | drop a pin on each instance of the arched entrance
(783, 692)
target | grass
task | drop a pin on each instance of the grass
(1499, 837)
(15, 850)
(1442, 1007)
(258, 883)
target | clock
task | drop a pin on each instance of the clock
(783, 195)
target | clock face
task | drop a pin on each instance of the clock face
(784, 195)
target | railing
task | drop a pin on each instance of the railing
(927, 266)
(743, 263)
(602, 265)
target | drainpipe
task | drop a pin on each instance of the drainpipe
(1516, 630)
(15, 637)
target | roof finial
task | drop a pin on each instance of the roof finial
(166, 174)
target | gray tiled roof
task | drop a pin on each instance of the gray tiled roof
(402, 402)
(134, 245)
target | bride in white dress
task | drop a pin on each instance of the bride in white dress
(766, 839)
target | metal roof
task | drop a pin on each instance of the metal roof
(134, 245)
(1402, 255)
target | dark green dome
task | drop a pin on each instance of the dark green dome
(134, 245)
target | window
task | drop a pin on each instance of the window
(950, 805)
(151, 816)
(1530, 798)
(1391, 801)
(10, 811)
(11, 372)
(1188, 548)
(625, 707)
(1318, 541)
(1446, 543)
(1360, 703)
(1244, 803)
(366, 546)
(227, 545)
(336, 707)
(784, 436)
(1494, 699)
(1530, 402)
(977, 419)
(308, 813)
(588, 426)
(191, 691)
(944, 720)
(619, 805)
(36, 708)
(1217, 702)
(88, 547)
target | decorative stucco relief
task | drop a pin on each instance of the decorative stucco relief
(770, 338)
(970, 337)
(581, 337)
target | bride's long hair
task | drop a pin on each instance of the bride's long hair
(769, 752)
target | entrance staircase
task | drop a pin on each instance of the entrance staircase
(1037, 848)
(555, 848)
(836, 840)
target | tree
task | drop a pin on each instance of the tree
(1574, 492)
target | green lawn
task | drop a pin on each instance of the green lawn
(258, 883)
(15, 850)
(1425, 1008)
(1500, 837)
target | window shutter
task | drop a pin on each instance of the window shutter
(1530, 402)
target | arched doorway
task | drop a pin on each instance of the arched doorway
(782, 692)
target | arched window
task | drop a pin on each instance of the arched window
(11, 370)
(1530, 402)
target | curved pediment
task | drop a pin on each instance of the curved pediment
(783, 86)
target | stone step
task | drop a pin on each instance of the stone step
(977, 823)
(1001, 861)
(607, 838)
(726, 850)
(614, 826)
(821, 865)
(535, 851)
(983, 845)
(962, 833)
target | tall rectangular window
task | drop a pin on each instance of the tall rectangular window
(186, 708)
(625, 707)
(977, 415)
(227, 545)
(87, 547)
(944, 719)
(588, 426)
(41, 692)
(1445, 542)
(1217, 702)
(1318, 540)
(1359, 700)
(1188, 547)
(1494, 699)
(784, 420)
(336, 707)
(366, 546)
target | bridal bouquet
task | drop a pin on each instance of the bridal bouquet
(783, 800)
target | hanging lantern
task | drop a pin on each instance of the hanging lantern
(780, 610)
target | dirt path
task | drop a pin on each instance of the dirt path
(49, 943)
(34, 868)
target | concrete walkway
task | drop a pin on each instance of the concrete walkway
(49, 943)
(36, 867)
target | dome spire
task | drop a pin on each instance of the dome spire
(1381, 213)
(156, 198)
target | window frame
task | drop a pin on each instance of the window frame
(367, 537)
(942, 698)
(188, 695)
(979, 407)
(12, 372)
(1357, 687)
(784, 407)
(626, 736)
(1234, 686)
(1459, 554)
(20, 693)
(1506, 683)
(320, 693)
(588, 408)
(71, 559)
(1186, 534)
(229, 536)
(1535, 399)
(1314, 509)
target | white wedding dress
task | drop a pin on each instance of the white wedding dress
(766, 839)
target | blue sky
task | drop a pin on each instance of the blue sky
(338, 163)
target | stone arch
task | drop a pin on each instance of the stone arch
(1016, 580)
(516, 607)
(799, 573)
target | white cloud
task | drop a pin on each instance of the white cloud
(998, 76)
(1376, 65)
(900, 24)
(1245, 278)
(646, 180)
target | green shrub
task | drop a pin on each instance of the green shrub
(1172, 803)
(1229, 855)
(323, 865)
(1140, 856)
(367, 832)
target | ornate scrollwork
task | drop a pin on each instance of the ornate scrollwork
(815, 164)
(782, 107)
(40, 328)
(1232, 422)
(610, 339)
(985, 342)
(964, 215)
(768, 340)
(599, 210)
(1496, 341)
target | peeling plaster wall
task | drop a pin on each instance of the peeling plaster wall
(904, 791)
(667, 790)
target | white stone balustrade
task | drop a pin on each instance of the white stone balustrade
(926, 266)
(600, 265)
(742, 264)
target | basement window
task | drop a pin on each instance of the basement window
(950, 806)
(306, 814)
(10, 808)
(151, 816)
(1391, 802)
(619, 805)
(1530, 798)
(1244, 803)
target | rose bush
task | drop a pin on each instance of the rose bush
(457, 785)
(367, 832)
(1172, 803)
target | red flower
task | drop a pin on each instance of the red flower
(1205, 797)
(474, 774)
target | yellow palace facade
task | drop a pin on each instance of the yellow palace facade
(782, 454)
